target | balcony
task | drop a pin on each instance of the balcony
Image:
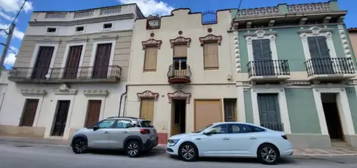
(330, 68)
(268, 70)
(179, 75)
(108, 74)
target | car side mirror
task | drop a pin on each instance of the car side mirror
(208, 133)
(95, 128)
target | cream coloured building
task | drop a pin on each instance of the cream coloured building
(182, 72)
(71, 71)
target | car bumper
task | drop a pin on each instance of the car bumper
(150, 143)
(172, 150)
(287, 149)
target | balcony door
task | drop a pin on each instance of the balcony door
(72, 65)
(269, 113)
(320, 55)
(263, 62)
(102, 58)
(43, 62)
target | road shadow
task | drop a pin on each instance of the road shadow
(154, 152)
(282, 161)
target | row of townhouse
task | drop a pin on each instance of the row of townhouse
(288, 67)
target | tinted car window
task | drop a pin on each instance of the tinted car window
(242, 128)
(220, 129)
(122, 124)
(146, 124)
(106, 124)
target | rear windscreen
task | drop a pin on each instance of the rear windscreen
(146, 124)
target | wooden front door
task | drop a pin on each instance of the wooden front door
(101, 64)
(29, 113)
(43, 62)
(269, 113)
(93, 113)
(74, 56)
(60, 120)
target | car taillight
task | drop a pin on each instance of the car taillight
(144, 131)
(285, 137)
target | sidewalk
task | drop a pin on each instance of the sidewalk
(305, 152)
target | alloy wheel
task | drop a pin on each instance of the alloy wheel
(79, 146)
(188, 152)
(268, 154)
(133, 149)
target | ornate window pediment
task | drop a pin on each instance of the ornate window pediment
(33, 92)
(65, 90)
(261, 34)
(180, 95)
(151, 43)
(211, 38)
(180, 41)
(316, 31)
(102, 93)
(147, 94)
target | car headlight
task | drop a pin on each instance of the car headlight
(172, 142)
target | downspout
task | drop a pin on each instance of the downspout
(121, 100)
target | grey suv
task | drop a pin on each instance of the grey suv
(134, 135)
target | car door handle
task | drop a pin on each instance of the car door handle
(252, 138)
(226, 139)
(106, 132)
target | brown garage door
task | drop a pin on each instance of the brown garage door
(207, 112)
(93, 112)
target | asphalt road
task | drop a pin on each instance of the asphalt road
(18, 155)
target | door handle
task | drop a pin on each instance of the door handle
(252, 138)
(106, 132)
(226, 139)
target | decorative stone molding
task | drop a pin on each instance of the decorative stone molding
(102, 93)
(211, 38)
(179, 95)
(345, 42)
(261, 34)
(237, 51)
(147, 94)
(33, 92)
(316, 30)
(180, 41)
(65, 90)
(151, 43)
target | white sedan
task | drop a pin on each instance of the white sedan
(231, 139)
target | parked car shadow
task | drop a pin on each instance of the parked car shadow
(152, 153)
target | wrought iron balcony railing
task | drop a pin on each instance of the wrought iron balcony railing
(330, 66)
(273, 126)
(268, 68)
(54, 75)
(179, 75)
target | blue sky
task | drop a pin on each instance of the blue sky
(8, 9)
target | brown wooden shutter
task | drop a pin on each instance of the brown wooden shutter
(150, 59)
(29, 113)
(147, 109)
(102, 58)
(74, 56)
(180, 51)
(207, 112)
(60, 120)
(43, 62)
(93, 112)
(211, 55)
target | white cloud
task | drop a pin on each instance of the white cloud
(150, 7)
(12, 6)
(5, 16)
(10, 60)
(17, 33)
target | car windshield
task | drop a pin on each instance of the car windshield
(146, 124)
(200, 130)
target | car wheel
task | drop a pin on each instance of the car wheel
(133, 149)
(79, 145)
(188, 152)
(268, 154)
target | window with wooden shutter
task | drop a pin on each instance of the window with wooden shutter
(207, 112)
(29, 112)
(150, 59)
(147, 109)
(93, 112)
(210, 55)
(180, 51)
(230, 112)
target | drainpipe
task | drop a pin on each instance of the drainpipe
(121, 100)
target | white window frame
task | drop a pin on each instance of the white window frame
(344, 110)
(262, 35)
(35, 55)
(283, 108)
(65, 57)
